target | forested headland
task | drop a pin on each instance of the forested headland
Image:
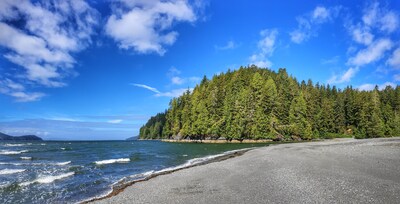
(256, 103)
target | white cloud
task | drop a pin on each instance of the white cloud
(173, 93)
(177, 80)
(229, 46)
(372, 53)
(362, 35)
(372, 35)
(115, 121)
(17, 90)
(308, 23)
(394, 60)
(26, 97)
(374, 18)
(266, 47)
(380, 17)
(345, 77)
(369, 87)
(396, 77)
(174, 74)
(147, 87)
(46, 35)
(145, 26)
(320, 13)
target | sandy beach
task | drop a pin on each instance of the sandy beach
(332, 171)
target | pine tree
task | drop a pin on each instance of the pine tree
(259, 103)
(297, 118)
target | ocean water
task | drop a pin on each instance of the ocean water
(70, 172)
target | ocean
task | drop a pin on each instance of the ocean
(75, 171)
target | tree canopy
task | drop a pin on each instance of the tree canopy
(256, 103)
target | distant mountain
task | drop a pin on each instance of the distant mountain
(132, 138)
(19, 138)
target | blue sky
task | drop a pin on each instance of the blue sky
(84, 70)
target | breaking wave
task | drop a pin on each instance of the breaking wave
(48, 179)
(111, 161)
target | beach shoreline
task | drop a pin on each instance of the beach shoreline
(347, 170)
(120, 188)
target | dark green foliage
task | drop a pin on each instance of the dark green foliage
(154, 127)
(254, 103)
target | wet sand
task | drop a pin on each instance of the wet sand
(332, 171)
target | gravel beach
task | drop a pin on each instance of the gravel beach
(332, 171)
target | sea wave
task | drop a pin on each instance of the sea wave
(48, 179)
(11, 171)
(126, 181)
(14, 145)
(12, 152)
(187, 164)
(111, 161)
(35, 164)
(63, 163)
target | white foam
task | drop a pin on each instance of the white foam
(111, 161)
(11, 171)
(48, 179)
(189, 163)
(14, 145)
(62, 163)
(35, 164)
(62, 148)
(12, 152)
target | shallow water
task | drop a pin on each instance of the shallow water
(67, 172)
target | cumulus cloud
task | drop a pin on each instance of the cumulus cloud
(380, 17)
(17, 90)
(345, 77)
(372, 53)
(266, 47)
(394, 59)
(146, 26)
(369, 87)
(375, 18)
(372, 37)
(309, 23)
(362, 35)
(177, 80)
(41, 37)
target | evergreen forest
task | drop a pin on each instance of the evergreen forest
(257, 103)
